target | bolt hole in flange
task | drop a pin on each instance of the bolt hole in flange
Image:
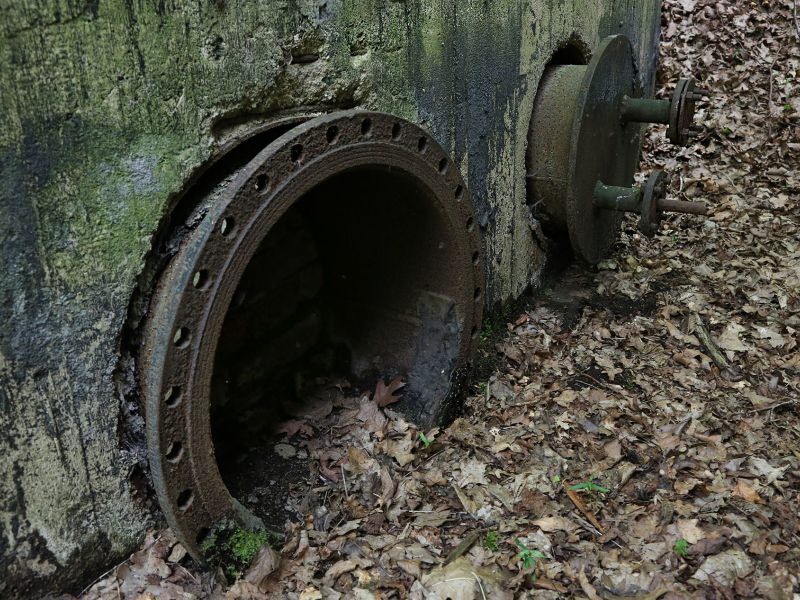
(354, 261)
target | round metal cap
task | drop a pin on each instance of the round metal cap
(603, 147)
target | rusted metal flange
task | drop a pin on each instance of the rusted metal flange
(550, 142)
(654, 191)
(602, 149)
(683, 107)
(678, 112)
(193, 295)
(577, 139)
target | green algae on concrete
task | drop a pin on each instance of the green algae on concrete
(106, 211)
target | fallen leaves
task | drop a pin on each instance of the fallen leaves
(460, 580)
(724, 567)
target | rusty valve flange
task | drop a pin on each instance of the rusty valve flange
(191, 300)
(586, 128)
(649, 202)
(678, 112)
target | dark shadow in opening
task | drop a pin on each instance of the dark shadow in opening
(356, 280)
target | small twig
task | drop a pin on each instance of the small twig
(185, 570)
(796, 20)
(771, 80)
(480, 585)
(773, 406)
(344, 481)
(581, 506)
(705, 338)
(602, 385)
(464, 546)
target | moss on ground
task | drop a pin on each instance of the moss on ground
(231, 548)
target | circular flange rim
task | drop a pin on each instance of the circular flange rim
(592, 231)
(187, 480)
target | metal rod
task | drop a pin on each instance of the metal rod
(612, 197)
(681, 206)
(645, 110)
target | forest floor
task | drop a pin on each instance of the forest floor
(639, 437)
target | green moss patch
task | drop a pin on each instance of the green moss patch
(230, 548)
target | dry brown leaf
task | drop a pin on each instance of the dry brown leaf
(263, 567)
(294, 426)
(384, 394)
(744, 490)
(689, 530)
(725, 567)
(401, 450)
(472, 471)
(613, 450)
(549, 524)
(329, 464)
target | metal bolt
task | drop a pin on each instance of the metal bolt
(681, 206)
(649, 201)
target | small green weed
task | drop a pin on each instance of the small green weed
(528, 556)
(487, 331)
(681, 548)
(425, 441)
(589, 486)
(491, 541)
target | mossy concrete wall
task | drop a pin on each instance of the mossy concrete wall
(108, 106)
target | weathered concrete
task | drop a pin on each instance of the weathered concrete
(108, 107)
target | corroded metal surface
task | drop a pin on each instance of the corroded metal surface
(655, 189)
(549, 142)
(602, 148)
(195, 291)
(577, 139)
(683, 106)
(678, 112)
(584, 143)
(649, 202)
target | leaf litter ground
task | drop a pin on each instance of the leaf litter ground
(639, 437)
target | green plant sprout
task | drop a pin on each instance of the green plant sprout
(528, 556)
(232, 548)
(589, 486)
(491, 541)
(425, 441)
(681, 548)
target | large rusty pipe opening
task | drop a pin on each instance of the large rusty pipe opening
(347, 247)
(356, 280)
